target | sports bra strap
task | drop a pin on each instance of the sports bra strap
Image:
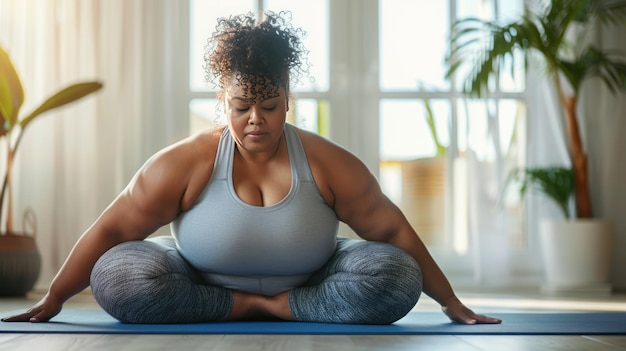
(297, 156)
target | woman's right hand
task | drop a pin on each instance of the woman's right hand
(42, 311)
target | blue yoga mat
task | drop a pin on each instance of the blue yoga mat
(432, 323)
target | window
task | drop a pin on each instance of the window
(443, 157)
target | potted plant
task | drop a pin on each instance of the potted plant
(19, 257)
(544, 31)
(576, 254)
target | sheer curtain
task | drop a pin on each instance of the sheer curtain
(603, 128)
(498, 256)
(546, 146)
(75, 160)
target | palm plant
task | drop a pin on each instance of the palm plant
(555, 182)
(430, 121)
(12, 127)
(544, 29)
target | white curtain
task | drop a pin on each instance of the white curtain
(546, 146)
(75, 160)
(496, 259)
(603, 127)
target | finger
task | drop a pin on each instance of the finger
(459, 316)
(23, 317)
(482, 319)
(42, 316)
(465, 320)
(479, 318)
(33, 315)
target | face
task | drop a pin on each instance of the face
(258, 126)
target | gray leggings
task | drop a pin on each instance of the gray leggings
(364, 282)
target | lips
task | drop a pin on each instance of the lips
(256, 134)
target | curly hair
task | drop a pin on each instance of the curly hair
(261, 55)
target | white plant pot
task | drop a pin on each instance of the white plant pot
(576, 255)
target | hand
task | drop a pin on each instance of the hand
(459, 313)
(43, 311)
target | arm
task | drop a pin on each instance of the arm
(359, 202)
(152, 199)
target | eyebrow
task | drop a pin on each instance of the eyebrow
(239, 98)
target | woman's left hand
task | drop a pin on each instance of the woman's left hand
(459, 313)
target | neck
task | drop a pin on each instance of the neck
(262, 157)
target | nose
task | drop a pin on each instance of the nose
(256, 116)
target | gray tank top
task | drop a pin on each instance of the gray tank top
(262, 250)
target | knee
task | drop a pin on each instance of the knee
(385, 263)
(390, 282)
(129, 275)
(127, 261)
(146, 259)
(394, 273)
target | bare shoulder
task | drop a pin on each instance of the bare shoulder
(337, 171)
(320, 149)
(183, 168)
(168, 183)
(195, 148)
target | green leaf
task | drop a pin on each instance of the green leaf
(430, 121)
(608, 12)
(557, 183)
(611, 70)
(11, 93)
(63, 97)
(485, 45)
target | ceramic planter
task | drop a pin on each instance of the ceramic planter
(576, 255)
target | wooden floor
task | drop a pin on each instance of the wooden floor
(501, 302)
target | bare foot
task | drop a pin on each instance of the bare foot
(246, 306)
(278, 306)
(249, 306)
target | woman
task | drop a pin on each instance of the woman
(254, 209)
